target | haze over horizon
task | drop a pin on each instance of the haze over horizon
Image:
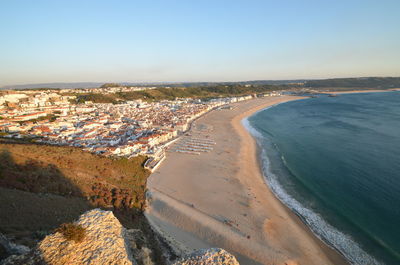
(176, 41)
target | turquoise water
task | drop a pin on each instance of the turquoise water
(335, 161)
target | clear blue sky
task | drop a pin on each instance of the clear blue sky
(83, 40)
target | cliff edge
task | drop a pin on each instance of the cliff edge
(99, 238)
(212, 256)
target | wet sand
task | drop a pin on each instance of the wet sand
(220, 199)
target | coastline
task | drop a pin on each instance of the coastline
(360, 91)
(229, 204)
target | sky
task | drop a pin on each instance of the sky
(169, 41)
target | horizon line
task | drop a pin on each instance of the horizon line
(188, 82)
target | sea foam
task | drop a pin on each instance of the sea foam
(324, 231)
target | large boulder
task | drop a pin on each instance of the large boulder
(210, 256)
(104, 243)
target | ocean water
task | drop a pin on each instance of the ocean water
(335, 161)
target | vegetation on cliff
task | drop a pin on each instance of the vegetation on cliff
(214, 90)
(42, 187)
(366, 82)
(71, 231)
(106, 85)
(68, 171)
(171, 93)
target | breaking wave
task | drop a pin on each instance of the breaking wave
(327, 233)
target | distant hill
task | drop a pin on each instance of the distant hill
(236, 83)
(54, 85)
(157, 84)
(362, 82)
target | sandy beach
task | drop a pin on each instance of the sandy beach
(220, 199)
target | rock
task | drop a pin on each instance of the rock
(137, 243)
(3, 252)
(211, 256)
(7, 248)
(104, 243)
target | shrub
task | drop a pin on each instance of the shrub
(72, 231)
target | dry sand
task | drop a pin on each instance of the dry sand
(220, 199)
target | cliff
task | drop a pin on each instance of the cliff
(212, 256)
(103, 240)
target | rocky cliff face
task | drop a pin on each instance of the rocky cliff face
(212, 256)
(105, 241)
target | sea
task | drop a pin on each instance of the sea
(335, 162)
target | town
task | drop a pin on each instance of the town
(127, 129)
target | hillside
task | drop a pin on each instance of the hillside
(43, 186)
(365, 82)
(170, 93)
(359, 82)
(68, 171)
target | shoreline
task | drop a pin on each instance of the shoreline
(261, 229)
(325, 246)
(360, 91)
(357, 254)
(297, 217)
